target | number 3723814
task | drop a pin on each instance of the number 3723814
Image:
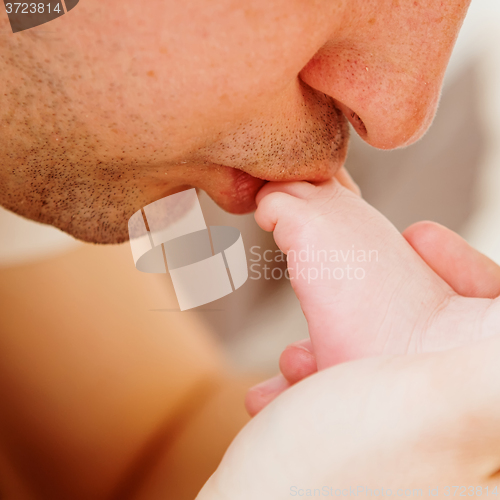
(31, 8)
(470, 491)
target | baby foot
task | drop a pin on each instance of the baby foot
(363, 289)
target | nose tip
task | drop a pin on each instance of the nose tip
(388, 107)
(405, 119)
(391, 127)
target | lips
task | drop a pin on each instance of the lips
(305, 143)
(238, 194)
(232, 189)
(235, 190)
(239, 197)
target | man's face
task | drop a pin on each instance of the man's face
(119, 103)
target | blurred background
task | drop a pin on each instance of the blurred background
(451, 176)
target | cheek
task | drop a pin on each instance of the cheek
(199, 69)
(163, 77)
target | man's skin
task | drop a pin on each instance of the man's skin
(117, 104)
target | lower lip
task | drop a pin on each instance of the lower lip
(238, 197)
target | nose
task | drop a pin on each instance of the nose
(386, 77)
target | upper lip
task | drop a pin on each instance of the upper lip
(319, 177)
(321, 172)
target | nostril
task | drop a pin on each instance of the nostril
(358, 124)
(354, 119)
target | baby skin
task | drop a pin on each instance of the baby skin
(365, 288)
